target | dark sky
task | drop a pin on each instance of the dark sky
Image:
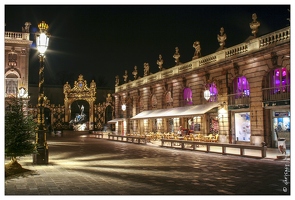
(105, 40)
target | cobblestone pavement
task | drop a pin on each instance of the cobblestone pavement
(80, 165)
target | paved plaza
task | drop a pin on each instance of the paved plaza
(81, 165)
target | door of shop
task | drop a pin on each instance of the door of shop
(281, 127)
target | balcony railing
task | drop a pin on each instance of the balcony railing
(186, 103)
(278, 93)
(238, 99)
(17, 36)
(256, 44)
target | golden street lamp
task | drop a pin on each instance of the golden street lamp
(42, 40)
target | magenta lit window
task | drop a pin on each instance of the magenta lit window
(213, 92)
(241, 87)
(188, 96)
(281, 80)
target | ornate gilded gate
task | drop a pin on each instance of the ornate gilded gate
(60, 115)
(80, 91)
(103, 112)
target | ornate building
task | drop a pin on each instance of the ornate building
(17, 49)
(97, 103)
(240, 92)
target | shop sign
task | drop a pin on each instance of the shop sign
(281, 114)
(276, 103)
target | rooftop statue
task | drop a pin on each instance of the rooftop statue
(125, 76)
(197, 47)
(160, 62)
(254, 24)
(117, 81)
(176, 56)
(134, 73)
(221, 39)
(146, 69)
(26, 29)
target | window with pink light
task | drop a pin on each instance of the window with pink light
(188, 96)
(241, 87)
(280, 79)
(213, 92)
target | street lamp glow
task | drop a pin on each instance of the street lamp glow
(21, 92)
(124, 107)
(42, 42)
(42, 38)
(207, 94)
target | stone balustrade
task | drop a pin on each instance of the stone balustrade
(17, 35)
(282, 35)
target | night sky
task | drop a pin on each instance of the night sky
(102, 41)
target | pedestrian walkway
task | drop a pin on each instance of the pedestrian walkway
(80, 165)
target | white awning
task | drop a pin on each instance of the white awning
(113, 121)
(186, 111)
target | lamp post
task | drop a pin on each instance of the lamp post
(23, 95)
(42, 39)
(124, 128)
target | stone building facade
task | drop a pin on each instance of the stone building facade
(98, 101)
(16, 74)
(248, 88)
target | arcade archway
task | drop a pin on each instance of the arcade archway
(80, 100)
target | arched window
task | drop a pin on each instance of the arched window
(280, 80)
(11, 84)
(241, 87)
(213, 92)
(12, 58)
(187, 96)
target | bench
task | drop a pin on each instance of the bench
(128, 138)
(96, 134)
(193, 145)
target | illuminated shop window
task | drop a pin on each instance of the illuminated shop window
(213, 92)
(282, 126)
(280, 80)
(242, 126)
(188, 96)
(241, 87)
(213, 126)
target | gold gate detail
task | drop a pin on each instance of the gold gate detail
(80, 91)
(60, 115)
